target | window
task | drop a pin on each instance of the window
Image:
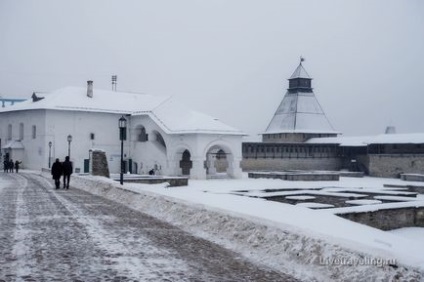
(9, 132)
(34, 132)
(21, 131)
(160, 140)
(92, 136)
(141, 134)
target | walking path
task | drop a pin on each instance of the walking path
(71, 235)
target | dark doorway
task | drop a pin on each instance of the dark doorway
(186, 164)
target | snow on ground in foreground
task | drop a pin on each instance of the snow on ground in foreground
(289, 236)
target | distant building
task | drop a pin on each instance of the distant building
(300, 137)
(162, 134)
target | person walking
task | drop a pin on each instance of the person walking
(67, 171)
(17, 163)
(11, 165)
(6, 166)
(57, 172)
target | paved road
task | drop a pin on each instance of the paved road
(71, 235)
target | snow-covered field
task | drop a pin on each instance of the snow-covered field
(309, 244)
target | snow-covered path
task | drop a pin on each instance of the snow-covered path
(71, 235)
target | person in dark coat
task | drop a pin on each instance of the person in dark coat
(17, 163)
(67, 171)
(57, 172)
(11, 165)
(6, 165)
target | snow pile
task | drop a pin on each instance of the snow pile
(297, 251)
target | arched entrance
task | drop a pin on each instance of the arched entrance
(218, 162)
(186, 164)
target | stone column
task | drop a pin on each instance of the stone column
(211, 165)
(234, 169)
(198, 170)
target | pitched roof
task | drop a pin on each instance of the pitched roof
(300, 72)
(172, 116)
(300, 112)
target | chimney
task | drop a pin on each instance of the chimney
(90, 88)
(390, 130)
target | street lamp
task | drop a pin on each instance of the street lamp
(122, 137)
(50, 152)
(69, 138)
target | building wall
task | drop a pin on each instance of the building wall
(91, 131)
(389, 219)
(288, 150)
(35, 148)
(392, 165)
(292, 137)
(288, 156)
(262, 164)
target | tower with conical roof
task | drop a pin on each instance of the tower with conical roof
(299, 116)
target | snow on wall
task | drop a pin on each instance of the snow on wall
(296, 252)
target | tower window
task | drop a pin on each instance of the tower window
(34, 132)
(21, 131)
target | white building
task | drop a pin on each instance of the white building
(161, 133)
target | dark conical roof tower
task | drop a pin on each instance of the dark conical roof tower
(300, 111)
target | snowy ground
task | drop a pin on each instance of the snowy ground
(71, 235)
(308, 244)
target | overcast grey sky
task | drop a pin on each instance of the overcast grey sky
(228, 58)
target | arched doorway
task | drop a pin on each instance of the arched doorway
(186, 164)
(218, 161)
(221, 162)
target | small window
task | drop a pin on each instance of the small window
(34, 132)
(9, 132)
(142, 136)
(92, 136)
(21, 131)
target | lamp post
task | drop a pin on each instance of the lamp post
(50, 152)
(122, 137)
(69, 138)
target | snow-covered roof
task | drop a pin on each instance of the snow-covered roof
(300, 113)
(172, 116)
(300, 72)
(361, 141)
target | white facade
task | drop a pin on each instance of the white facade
(179, 141)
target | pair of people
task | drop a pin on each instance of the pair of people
(59, 169)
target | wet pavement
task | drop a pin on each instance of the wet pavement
(71, 235)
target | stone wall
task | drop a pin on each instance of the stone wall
(262, 164)
(99, 164)
(388, 219)
(292, 137)
(389, 165)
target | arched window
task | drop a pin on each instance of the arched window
(160, 140)
(142, 136)
(21, 131)
(9, 132)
